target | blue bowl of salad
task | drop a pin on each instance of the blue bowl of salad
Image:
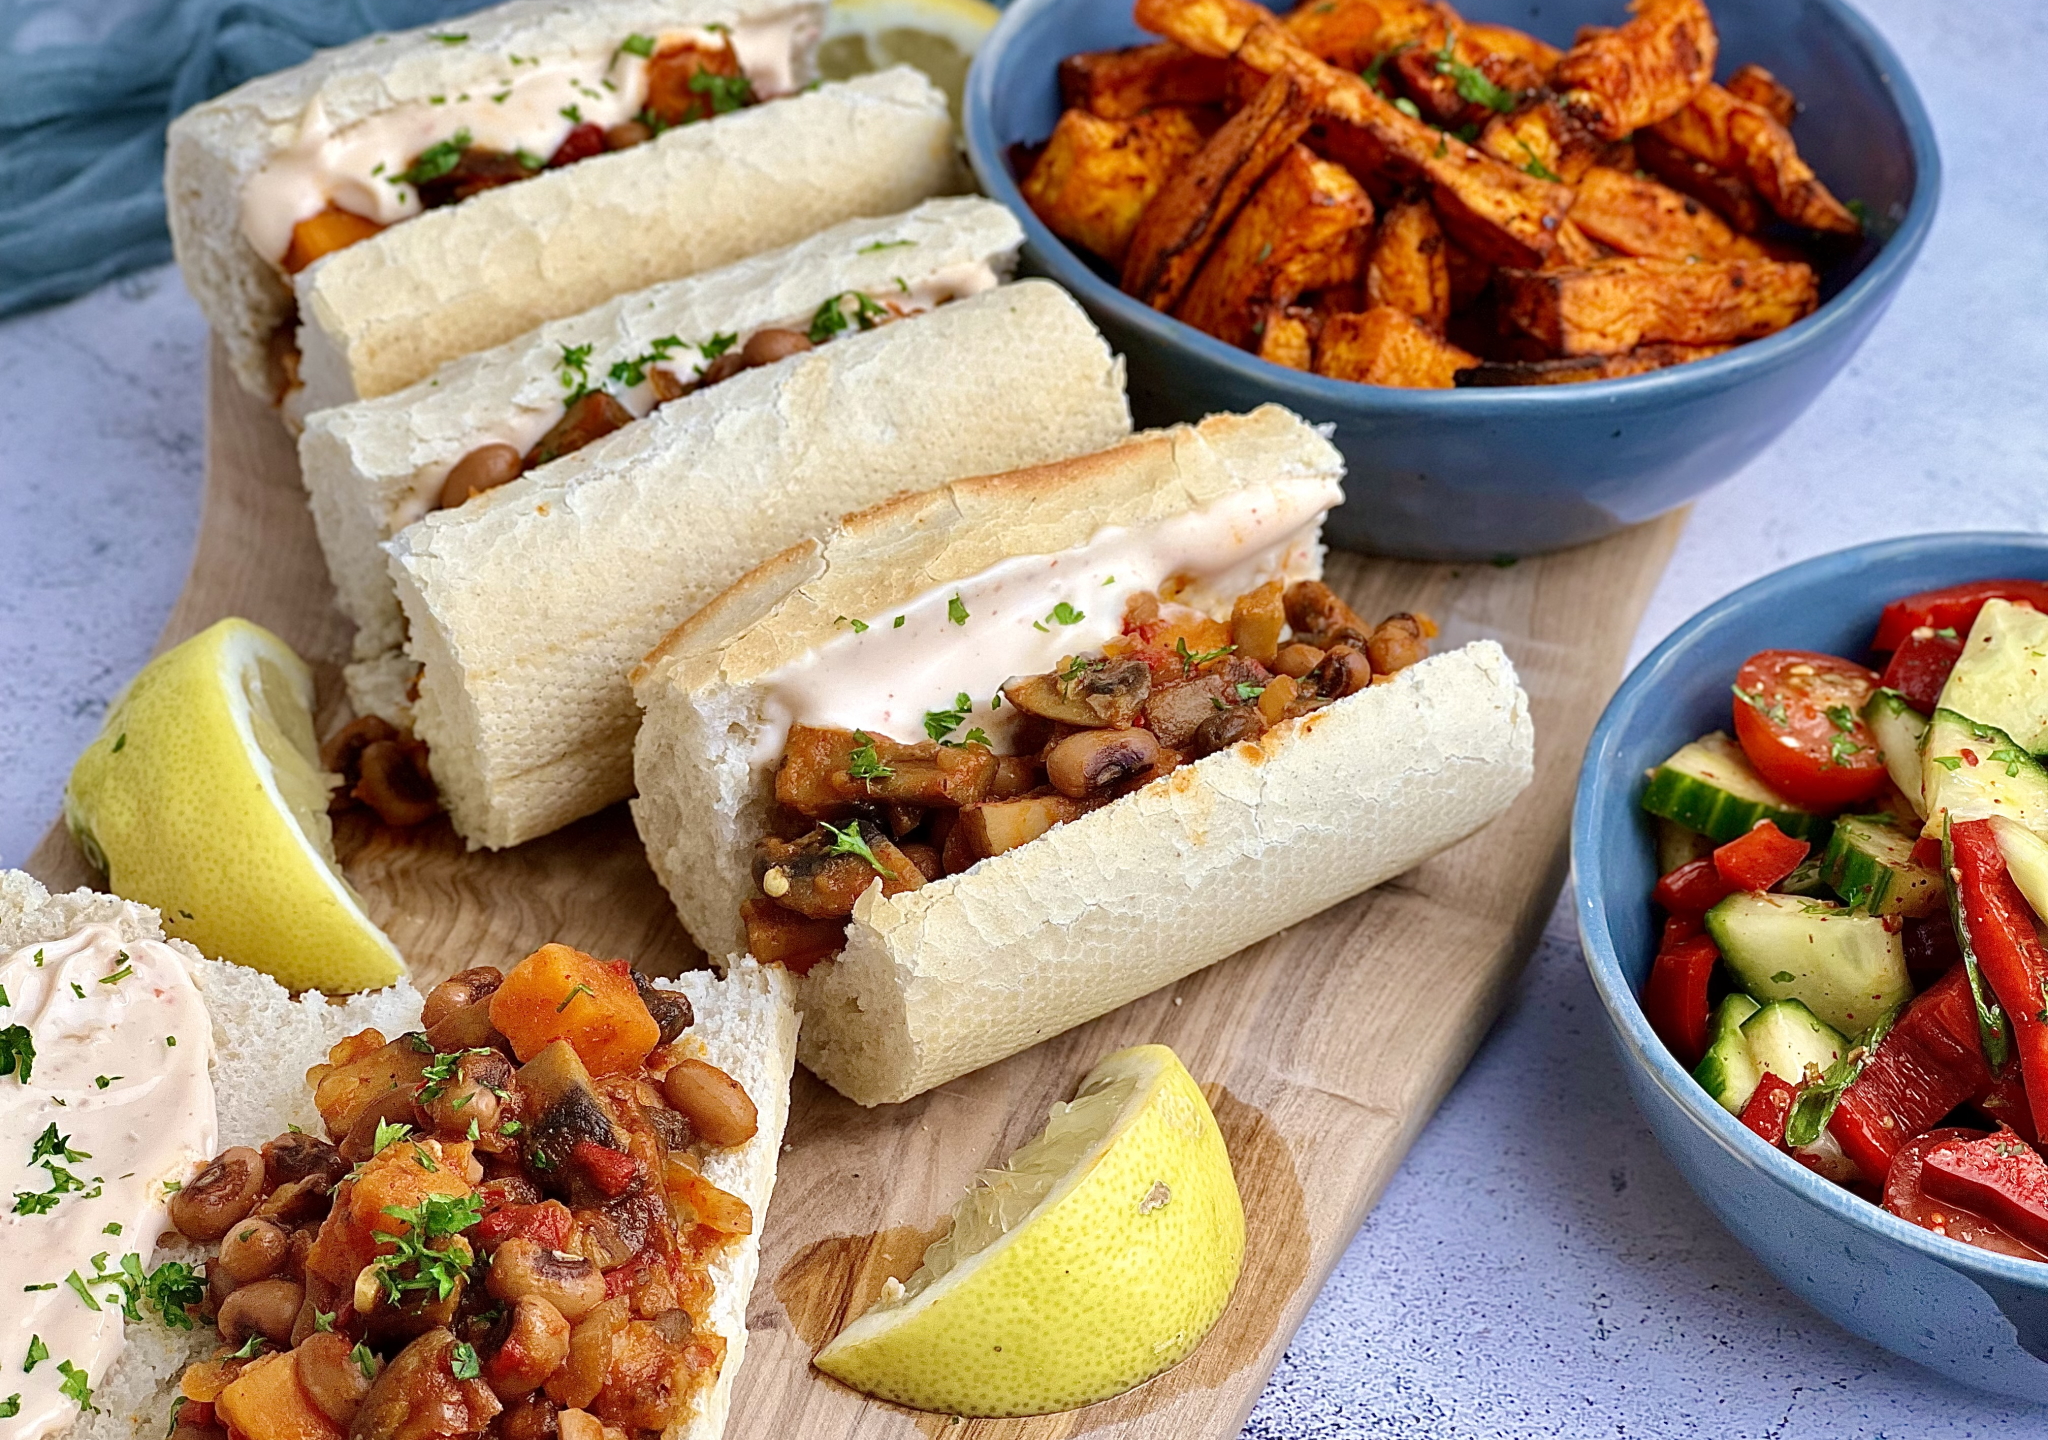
(1810, 859)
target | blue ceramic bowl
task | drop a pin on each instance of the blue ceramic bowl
(1975, 1317)
(1474, 474)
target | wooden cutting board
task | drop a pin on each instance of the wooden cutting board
(1324, 1050)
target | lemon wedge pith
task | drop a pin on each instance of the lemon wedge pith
(1099, 1256)
(203, 796)
(938, 37)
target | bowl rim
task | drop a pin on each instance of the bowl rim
(1301, 390)
(1599, 780)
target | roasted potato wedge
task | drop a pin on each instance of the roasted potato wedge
(1408, 268)
(1095, 177)
(1638, 216)
(1637, 74)
(1120, 84)
(1385, 346)
(1731, 197)
(1285, 339)
(1577, 368)
(1343, 32)
(1613, 306)
(1193, 210)
(1543, 140)
(1304, 228)
(1456, 81)
(1760, 87)
(1742, 139)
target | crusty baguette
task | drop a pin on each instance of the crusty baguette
(527, 606)
(374, 467)
(379, 315)
(1224, 852)
(265, 1040)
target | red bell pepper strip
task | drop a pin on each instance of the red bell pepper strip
(1952, 609)
(2006, 1103)
(1675, 996)
(1760, 859)
(2001, 1177)
(1919, 667)
(1998, 927)
(1681, 927)
(1928, 1064)
(1768, 1106)
(1693, 888)
(1905, 1198)
(1927, 855)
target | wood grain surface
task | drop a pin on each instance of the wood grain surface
(1324, 1050)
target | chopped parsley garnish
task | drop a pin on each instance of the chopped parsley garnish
(726, 93)
(112, 1227)
(76, 1386)
(435, 161)
(832, 317)
(38, 1352)
(575, 371)
(573, 114)
(977, 736)
(641, 45)
(850, 842)
(251, 1347)
(103, 1081)
(1472, 85)
(634, 371)
(323, 1321)
(1755, 701)
(1861, 210)
(510, 1127)
(864, 763)
(1842, 744)
(11, 1406)
(2011, 759)
(118, 976)
(433, 1267)
(1191, 661)
(1248, 692)
(1407, 107)
(1535, 165)
(171, 1287)
(1371, 73)
(1946, 632)
(50, 1143)
(873, 245)
(860, 627)
(451, 37)
(716, 346)
(573, 992)
(442, 1069)
(897, 623)
(1065, 614)
(1783, 977)
(940, 723)
(462, 1361)
(388, 1134)
(365, 1361)
(956, 611)
(77, 989)
(526, 158)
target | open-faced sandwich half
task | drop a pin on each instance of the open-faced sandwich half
(531, 1211)
(989, 761)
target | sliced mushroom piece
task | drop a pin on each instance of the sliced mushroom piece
(823, 874)
(671, 1011)
(419, 1397)
(1093, 762)
(1091, 693)
(1228, 727)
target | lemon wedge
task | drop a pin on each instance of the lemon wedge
(203, 796)
(938, 37)
(1099, 1256)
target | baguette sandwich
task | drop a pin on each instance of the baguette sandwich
(195, 1260)
(526, 607)
(351, 223)
(376, 466)
(987, 762)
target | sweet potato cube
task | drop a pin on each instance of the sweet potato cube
(1343, 32)
(1096, 176)
(359, 1226)
(1285, 340)
(1613, 306)
(1385, 346)
(558, 993)
(1642, 72)
(1762, 89)
(1740, 138)
(1408, 268)
(1121, 84)
(322, 234)
(266, 1402)
(1304, 228)
(1256, 620)
(1639, 216)
(776, 936)
(1196, 205)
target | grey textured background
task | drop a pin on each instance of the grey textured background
(1537, 1268)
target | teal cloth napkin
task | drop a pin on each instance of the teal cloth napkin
(82, 125)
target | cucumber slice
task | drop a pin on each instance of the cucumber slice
(1709, 786)
(1897, 728)
(1869, 863)
(2026, 860)
(1809, 879)
(1784, 1037)
(1975, 772)
(2001, 678)
(1846, 968)
(1726, 1071)
(1678, 846)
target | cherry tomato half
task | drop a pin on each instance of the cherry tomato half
(1799, 716)
(1952, 609)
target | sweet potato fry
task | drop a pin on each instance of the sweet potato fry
(1196, 205)
(1613, 306)
(1402, 21)
(1408, 268)
(1637, 216)
(1096, 176)
(1117, 84)
(1304, 228)
(1761, 88)
(1642, 72)
(1578, 368)
(1384, 346)
(1518, 44)
(1207, 27)
(1731, 197)
(1469, 275)
(1575, 248)
(1544, 141)
(1742, 139)
(1343, 32)
(1284, 339)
